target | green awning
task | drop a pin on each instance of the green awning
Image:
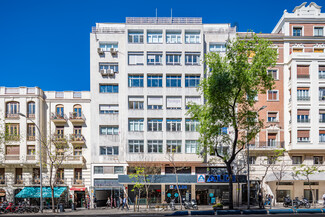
(34, 192)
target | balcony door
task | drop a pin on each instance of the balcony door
(77, 111)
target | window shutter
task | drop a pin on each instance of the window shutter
(174, 102)
(196, 100)
(132, 59)
(302, 70)
(322, 132)
(302, 88)
(12, 149)
(271, 136)
(321, 68)
(272, 114)
(155, 100)
(321, 111)
(303, 112)
(303, 133)
(135, 98)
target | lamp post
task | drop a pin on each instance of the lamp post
(248, 180)
(40, 155)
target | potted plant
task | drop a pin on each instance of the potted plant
(217, 206)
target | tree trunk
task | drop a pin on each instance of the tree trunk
(231, 201)
(177, 187)
(53, 203)
(52, 187)
(312, 193)
(147, 197)
(139, 200)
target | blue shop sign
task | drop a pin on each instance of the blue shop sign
(179, 187)
(225, 178)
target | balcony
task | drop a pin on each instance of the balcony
(59, 138)
(303, 98)
(303, 120)
(75, 160)
(77, 118)
(30, 157)
(77, 139)
(78, 182)
(61, 182)
(58, 118)
(266, 145)
(3, 180)
(31, 138)
(12, 158)
(12, 116)
(31, 116)
(303, 76)
(12, 137)
(35, 181)
(19, 182)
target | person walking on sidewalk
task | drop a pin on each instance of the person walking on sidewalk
(125, 203)
(260, 200)
(324, 199)
(95, 202)
(108, 202)
(120, 202)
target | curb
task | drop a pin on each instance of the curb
(254, 211)
(309, 211)
(228, 212)
(178, 213)
(206, 212)
(281, 211)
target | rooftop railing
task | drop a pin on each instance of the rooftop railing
(164, 20)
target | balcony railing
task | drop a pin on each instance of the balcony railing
(35, 181)
(30, 157)
(31, 138)
(303, 120)
(59, 138)
(79, 138)
(75, 158)
(164, 20)
(55, 117)
(31, 115)
(78, 181)
(61, 181)
(303, 76)
(272, 120)
(13, 116)
(19, 181)
(75, 117)
(266, 145)
(12, 157)
(322, 120)
(303, 98)
(12, 137)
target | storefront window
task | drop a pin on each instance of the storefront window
(281, 194)
(154, 194)
(172, 193)
(211, 194)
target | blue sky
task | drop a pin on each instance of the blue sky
(45, 43)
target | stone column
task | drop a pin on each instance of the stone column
(163, 192)
(193, 193)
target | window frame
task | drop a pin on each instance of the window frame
(296, 27)
(191, 124)
(153, 34)
(173, 125)
(114, 150)
(132, 79)
(114, 88)
(153, 79)
(136, 143)
(277, 73)
(133, 34)
(174, 146)
(170, 79)
(191, 142)
(154, 125)
(110, 130)
(189, 79)
(136, 125)
(277, 95)
(171, 56)
(319, 27)
(153, 145)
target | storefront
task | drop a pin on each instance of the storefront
(107, 188)
(172, 192)
(79, 195)
(154, 194)
(211, 194)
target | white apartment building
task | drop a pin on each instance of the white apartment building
(30, 116)
(143, 73)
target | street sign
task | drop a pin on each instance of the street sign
(176, 194)
(169, 195)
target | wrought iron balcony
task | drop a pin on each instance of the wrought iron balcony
(77, 139)
(266, 145)
(59, 118)
(12, 115)
(76, 118)
(303, 98)
(78, 182)
(303, 120)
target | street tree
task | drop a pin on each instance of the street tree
(138, 177)
(229, 88)
(304, 172)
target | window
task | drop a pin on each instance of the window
(322, 136)
(297, 31)
(174, 81)
(297, 50)
(108, 109)
(155, 146)
(271, 160)
(321, 72)
(318, 31)
(318, 50)
(173, 59)
(174, 146)
(12, 150)
(12, 131)
(60, 111)
(31, 132)
(108, 88)
(274, 73)
(192, 100)
(31, 110)
(318, 160)
(108, 150)
(154, 37)
(12, 110)
(108, 130)
(191, 146)
(98, 170)
(322, 94)
(192, 81)
(30, 150)
(136, 125)
(136, 146)
(135, 37)
(303, 71)
(19, 176)
(272, 95)
(154, 59)
(271, 139)
(135, 80)
(252, 159)
(192, 37)
(155, 124)
(173, 37)
(106, 46)
(192, 59)
(118, 170)
(217, 47)
(77, 151)
(136, 102)
(321, 116)
(154, 81)
(296, 160)
(136, 59)
(155, 102)
(303, 136)
(174, 102)
(272, 117)
(303, 116)
(174, 125)
(191, 125)
(303, 94)
(108, 66)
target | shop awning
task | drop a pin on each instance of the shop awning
(34, 192)
(77, 189)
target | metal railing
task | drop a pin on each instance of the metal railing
(12, 115)
(77, 138)
(30, 157)
(76, 116)
(303, 120)
(12, 157)
(31, 138)
(56, 116)
(107, 30)
(12, 137)
(266, 145)
(303, 98)
(77, 94)
(31, 115)
(78, 181)
(163, 20)
(303, 76)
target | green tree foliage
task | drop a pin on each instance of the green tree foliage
(229, 89)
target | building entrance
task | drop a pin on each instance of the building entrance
(212, 194)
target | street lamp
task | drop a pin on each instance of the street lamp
(248, 181)
(40, 155)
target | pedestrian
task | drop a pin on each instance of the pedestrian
(119, 202)
(271, 198)
(260, 200)
(108, 202)
(125, 203)
(95, 202)
(324, 199)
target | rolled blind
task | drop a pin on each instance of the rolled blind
(135, 98)
(302, 88)
(108, 107)
(322, 132)
(302, 70)
(321, 68)
(108, 170)
(155, 100)
(271, 136)
(12, 149)
(303, 133)
(196, 100)
(303, 112)
(321, 111)
(174, 102)
(272, 114)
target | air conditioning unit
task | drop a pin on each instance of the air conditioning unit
(100, 51)
(113, 51)
(103, 72)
